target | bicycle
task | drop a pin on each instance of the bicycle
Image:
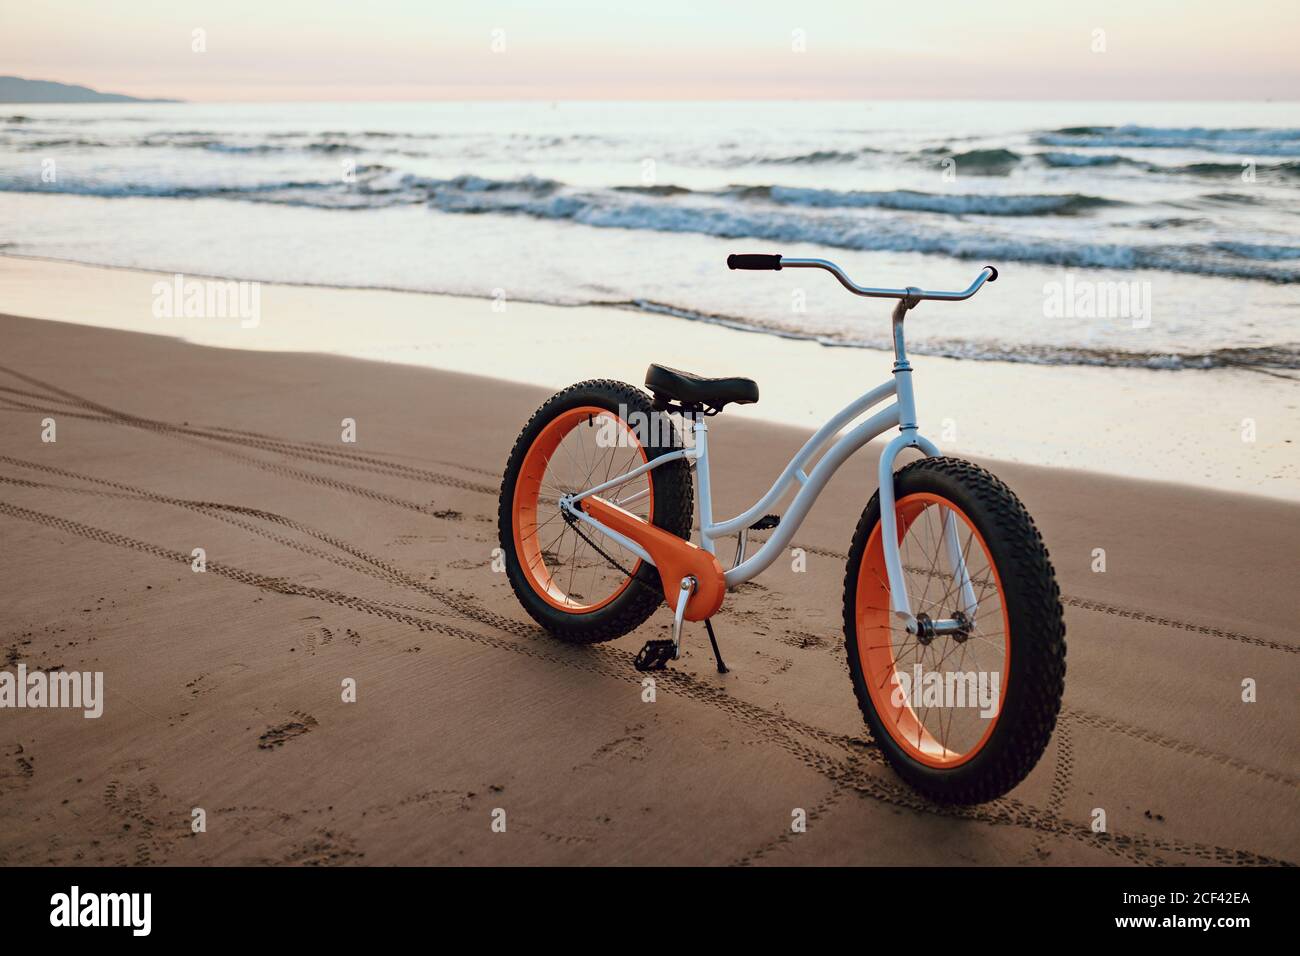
(946, 566)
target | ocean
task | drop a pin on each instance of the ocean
(1195, 207)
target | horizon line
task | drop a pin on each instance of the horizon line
(180, 101)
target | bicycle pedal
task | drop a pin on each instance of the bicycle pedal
(655, 655)
(765, 523)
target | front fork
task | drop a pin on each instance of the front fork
(909, 437)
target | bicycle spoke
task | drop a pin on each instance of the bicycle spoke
(592, 567)
(936, 578)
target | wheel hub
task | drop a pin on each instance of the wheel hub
(958, 627)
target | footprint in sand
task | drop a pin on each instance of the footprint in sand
(803, 640)
(277, 736)
(18, 768)
(322, 848)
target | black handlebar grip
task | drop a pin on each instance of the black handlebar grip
(994, 270)
(753, 261)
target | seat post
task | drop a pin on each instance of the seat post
(704, 491)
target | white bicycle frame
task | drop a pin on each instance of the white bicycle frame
(902, 412)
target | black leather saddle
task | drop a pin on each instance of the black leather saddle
(690, 390)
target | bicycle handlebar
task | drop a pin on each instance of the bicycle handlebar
(778, 262)
(753, 261)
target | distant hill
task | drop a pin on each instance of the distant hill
(15, 89)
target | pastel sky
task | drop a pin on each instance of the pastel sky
(661, 49)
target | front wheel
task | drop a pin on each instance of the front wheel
(962, 710)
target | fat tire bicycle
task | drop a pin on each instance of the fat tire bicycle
(947, 575)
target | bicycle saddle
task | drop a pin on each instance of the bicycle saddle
(690, 389)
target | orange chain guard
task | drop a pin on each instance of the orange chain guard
(674, 558)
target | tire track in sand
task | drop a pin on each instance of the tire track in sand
(112, 416)
(308, 451)
(1134, 614)
(383, 570)
(847, 773)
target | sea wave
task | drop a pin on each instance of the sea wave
(1249, 141)
(1229, 199)
(1265, 252)
(1262, 173)
(1265, 172)
(1262, 358)
(807, 216)
(814, 157)
(375, 186)
(20, 134)
(904, 200)
(1072, 160)
(378, 179)
(956, 204)
(986, 162)
(541, 199)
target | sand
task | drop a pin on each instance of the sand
(372, 562)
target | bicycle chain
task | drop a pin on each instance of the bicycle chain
(572, 522)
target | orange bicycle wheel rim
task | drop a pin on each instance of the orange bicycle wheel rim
(530, 489)
(878, 637)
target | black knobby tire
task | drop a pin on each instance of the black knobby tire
(673, 511)
(1032, 602)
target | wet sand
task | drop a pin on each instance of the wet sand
(1227, 429)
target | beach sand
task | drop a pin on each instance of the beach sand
(373, 562)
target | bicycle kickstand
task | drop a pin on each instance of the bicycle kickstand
(717, 654)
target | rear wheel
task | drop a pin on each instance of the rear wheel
(962, 711)
(576, 582)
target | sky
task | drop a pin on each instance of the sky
(269, 50)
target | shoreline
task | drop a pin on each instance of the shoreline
(1185, 426)
(1032, 355)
